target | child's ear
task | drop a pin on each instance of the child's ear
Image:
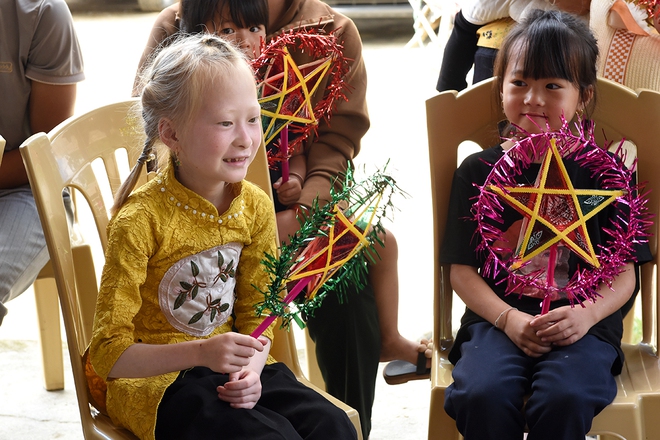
(587, 96)
(167, 132)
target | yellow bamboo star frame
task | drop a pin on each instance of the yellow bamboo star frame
(308, 84)
(368, 212)
(533, 214)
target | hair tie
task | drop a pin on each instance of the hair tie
(146, 157)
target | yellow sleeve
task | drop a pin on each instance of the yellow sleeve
(119, 299)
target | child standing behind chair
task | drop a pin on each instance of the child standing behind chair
(563, 361)
(175, 308)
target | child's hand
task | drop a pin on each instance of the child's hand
(563, 325)
(243, 389)
(229, 352)
(519, 330)
(289, 191)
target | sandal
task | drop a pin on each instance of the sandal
(398, 372)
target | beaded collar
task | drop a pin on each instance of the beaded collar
(195, 205)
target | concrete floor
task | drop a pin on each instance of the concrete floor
(400, 80)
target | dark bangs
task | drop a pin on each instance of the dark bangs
(557, 52)
(244, 13)
(552, 45)
(248, 13)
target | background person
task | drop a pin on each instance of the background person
(40, 64)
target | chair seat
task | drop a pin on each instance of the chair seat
(638, 382)
(640, 372)
(103, 424)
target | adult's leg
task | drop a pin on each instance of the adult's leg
(347, 339)
(459, 55)
(23, 251)
(484, 61)
(490, 381)
(570, 385)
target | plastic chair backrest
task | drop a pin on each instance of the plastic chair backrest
(473, 118)
(473, 115)
(62, 159)
(622, 113)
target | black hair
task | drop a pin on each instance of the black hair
(194, 14)
(552, 44)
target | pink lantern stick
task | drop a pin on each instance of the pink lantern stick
(284, 151)
(287, 299)
(550, 278)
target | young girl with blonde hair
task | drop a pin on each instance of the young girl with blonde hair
(176, 304)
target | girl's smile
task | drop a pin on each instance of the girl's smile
(238, 160)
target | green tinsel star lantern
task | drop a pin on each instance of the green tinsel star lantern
(329, 252)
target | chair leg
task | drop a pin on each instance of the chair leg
(441, 426)
(48, 314)
(313, 369)
(420, 34)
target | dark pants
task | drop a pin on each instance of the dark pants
(347, 338)
(567, 388)
(461, 52)
(287, 410)
(484, 61)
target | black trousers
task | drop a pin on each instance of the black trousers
(347, 338)
(287, 410)
(461, 52)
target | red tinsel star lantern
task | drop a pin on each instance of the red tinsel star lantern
(296, 96)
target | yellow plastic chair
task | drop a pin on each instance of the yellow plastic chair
(472, 115)
(67, 158)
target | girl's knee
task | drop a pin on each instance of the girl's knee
(488, 398)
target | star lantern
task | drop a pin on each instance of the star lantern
(293, 97)
(329, 251)
(555, 216)
(554, 212)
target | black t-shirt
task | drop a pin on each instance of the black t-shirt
(461, 240)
